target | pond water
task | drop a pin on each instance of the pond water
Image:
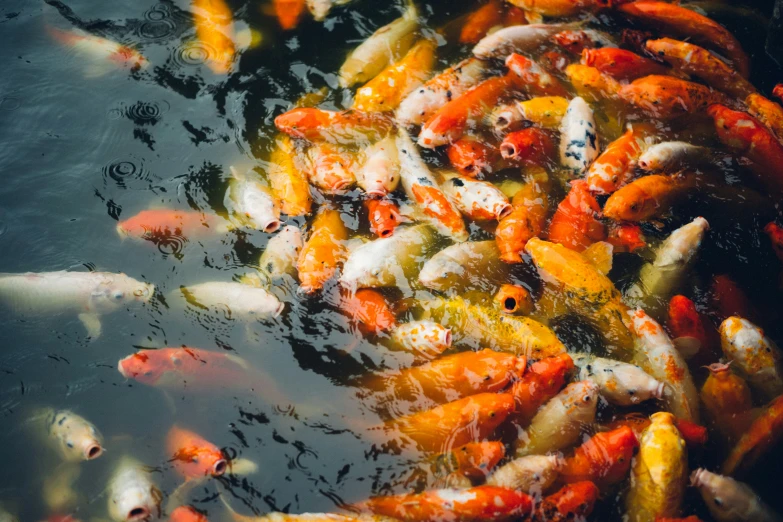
(85, 142)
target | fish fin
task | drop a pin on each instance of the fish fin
(57, 488)
(170, 403)
(238, 360)
(96, 70)
(687, 346)
(258, 279)
(92, 323)
(600, 256)
(243, 467)
(178, 497)
(411, 11)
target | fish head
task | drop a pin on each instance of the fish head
(78, 438)
(580, 400)
(437, 273)
(134, 503)
(119, 290)
(186, 514)
(726, 498)
(630, 203)
(147, 366)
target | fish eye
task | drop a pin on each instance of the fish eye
(375, 271)
(587, 398)
(118, 295)
(176, 360)
(634, 207)
(69, 443)
(148, 374)
(718, 501)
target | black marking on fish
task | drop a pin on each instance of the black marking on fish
(457, 182)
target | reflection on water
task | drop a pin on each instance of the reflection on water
(90, 136)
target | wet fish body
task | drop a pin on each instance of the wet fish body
(236, 300)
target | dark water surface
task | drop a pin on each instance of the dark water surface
(83, 144)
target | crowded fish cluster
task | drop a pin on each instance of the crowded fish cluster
(462, 217)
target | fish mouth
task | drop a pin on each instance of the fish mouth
(279, 310)
(386, 232)
(503, 120)
(121, 369)
(122, 232)
(144, 293)
(342, 186)
(508, 151)
(510, 305)
(137, 513)
(272, 226)
(376, 193)
(659, 391)
(93, 451)
(696, 477)
(445, 338)
(219, 467)
(503, 211)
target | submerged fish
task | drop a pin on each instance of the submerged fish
(252, 204)
(464, 265)
(235, 300)
(755, 356)
(620, 383)
(578, 139)
(163, 223)
(281, 252)
(192, 456)
(729, 500)
(531, 474)
(132, 495)
(323, 251)
(74, 437)
(99, 48)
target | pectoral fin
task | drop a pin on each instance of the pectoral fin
(600, 255)
(92, 322)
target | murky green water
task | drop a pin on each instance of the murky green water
(83, 144)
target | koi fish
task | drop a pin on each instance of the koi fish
(89, 294)
(323, 251)
(214, 29)
(380, 173)
(775, 234)
(512, 299)
(386, 91)
(482, 21)
(472, 264)
(767, 112)
(344, 128)
(132, 496)
(678, 20)
(473, 460)
(99, 48)
(671, 156)
(727, 400)
(422, 188)
(531, 146)
(604, 459)
(578, 139)
(532, 78)
(592, 84)
(369, 310)
(665, 97)
(235, 300)
(478, 503)
(689, 329)
(251, 203)
(574, 224)
(384, 216)
(693, 434)
(620, 383)
(480, 325)
(614, 167)
(744, 134)
(545, 111)
(542, 381)
(529, 474)
(422, 103)
(478, 200)
(450, 122)
(425, 339)
(763, 434)
(517, 38)
(756, 357)
(193, 456)
(621, 64)
(648, 197)
(525, 221)
(331, 168)
(560, 421)
(571, 502)
(577, 41)
(156, 224)
(700, 63)
(188, 513)
(625, 237)
(729, 500)
(320, 8)
(72, 436)
(661, 278)
(572, 283)
(288, 13)
(387, 261)
(281, 252)
(287, 180)
(659, 473)
(383, 47)
(472, 156)
(456, 423)
(662, 360)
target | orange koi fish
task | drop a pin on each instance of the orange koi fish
(574, 224)
(767, 112)
(369, 310)
(526, 221)
(383, 215)
(604, 459)
(626, 237)
(775, 234)
(512, 299)
(665, 97)
(571, 502)
(450, 122)
(532, 78)
(346, 127)
(760, 437)
(474, 460)
(426, 340)
(746, 135)
(556, 8)
(323, 252)
(685, 23)
(614, 167)
(287, 180)
(163, 223)
(99, 48)
(456, 423)
(386, 91)
(542, 381)
(531, 146)
(729, 299)
(331, 168)
(688, 330)
(699, 62)
(482, 503)
(481, 21)
(726, 397)
(517, 16)
(193, 456)
(693, 434)
(621, 64)
(577, 41)
(214, 28)
(289, 12)
(592, 84)
(187, 514)
(472, 156)
(455, 376)
(648, 197)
